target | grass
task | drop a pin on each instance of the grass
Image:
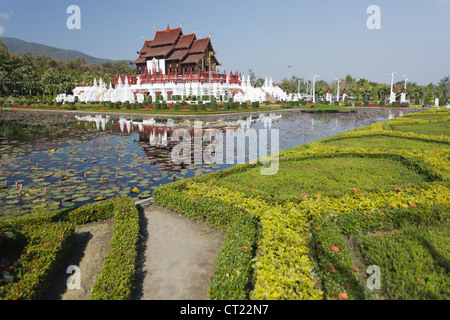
(436, 129)
(414, 261)
(386, 143)
(323, 107)
(102, 109)
(328, 176)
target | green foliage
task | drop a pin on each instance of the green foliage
(47, 237)
(388, 238)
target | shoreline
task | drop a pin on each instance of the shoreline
(163, 115)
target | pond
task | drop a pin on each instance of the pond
(62, 160)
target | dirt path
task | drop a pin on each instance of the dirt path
(176, 258)
(179, 258)
(90, 246)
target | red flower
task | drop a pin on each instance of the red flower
(342, 295)
(413, 206)
(318, 227)
(356, 269)
(335, 249)
(245, 247)
(382, 213)
(353, 189)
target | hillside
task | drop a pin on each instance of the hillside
(21, 47)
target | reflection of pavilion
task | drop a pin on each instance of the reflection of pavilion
(155, 137)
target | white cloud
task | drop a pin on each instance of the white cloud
(2, 30)
(4, 15)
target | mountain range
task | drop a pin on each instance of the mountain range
(21, 47)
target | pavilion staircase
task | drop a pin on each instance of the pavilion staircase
(97, 98)
(270, 97)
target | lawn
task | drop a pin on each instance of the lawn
(297, 178)
(435, 129)
(387, 143)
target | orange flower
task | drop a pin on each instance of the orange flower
(245, 247)
(382, 213)
(356, 269)
(335, 249)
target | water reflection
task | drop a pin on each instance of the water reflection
(61, 160)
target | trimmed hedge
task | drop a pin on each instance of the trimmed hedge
(49, 236)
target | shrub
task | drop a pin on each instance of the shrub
(226, 106)
(366, 101)
(48, 236)
(255, 104)
(201, 106)
(193, 107)
(213, 105)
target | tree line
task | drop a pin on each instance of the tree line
(362, 89)
(39, 76)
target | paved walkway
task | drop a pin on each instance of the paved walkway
(178, 257)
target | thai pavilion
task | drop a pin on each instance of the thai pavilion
(174, 64)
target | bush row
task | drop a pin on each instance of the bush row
(54, 231)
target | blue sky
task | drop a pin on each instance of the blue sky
(325, 37)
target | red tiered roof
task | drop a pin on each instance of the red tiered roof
(146, 47)
(185, 41)
(200, 45)
(140, 59)
(193, 58)
(159, 51)
(173, 46)
(178, 55)
(166, 37)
